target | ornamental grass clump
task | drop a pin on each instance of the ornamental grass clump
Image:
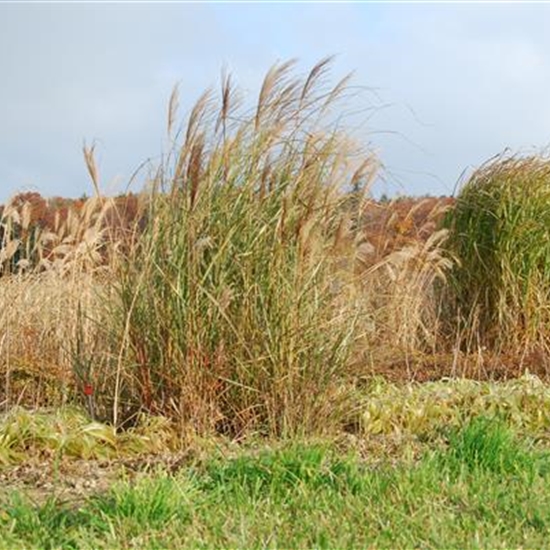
(499, 233)
(53, 283)
(230, 307)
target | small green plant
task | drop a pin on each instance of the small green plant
(488, 444)
(498, 232)
(274, 473)
(153, 500)
(48, 525)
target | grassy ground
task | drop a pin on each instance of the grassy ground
(479, 486)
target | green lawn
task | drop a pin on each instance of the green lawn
(481, 486)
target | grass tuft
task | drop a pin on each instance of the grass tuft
(229, 308)
(488, 444)
(498, 231)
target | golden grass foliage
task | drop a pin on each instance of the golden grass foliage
(40, 316)
(428, 408)
(69, 432)
(250, 293)
(51, 298)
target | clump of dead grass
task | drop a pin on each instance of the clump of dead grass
(401, 265)
(52, 286)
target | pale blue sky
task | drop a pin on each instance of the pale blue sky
(456, 83)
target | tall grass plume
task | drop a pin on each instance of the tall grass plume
(229, 305)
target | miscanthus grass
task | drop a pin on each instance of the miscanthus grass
(52, 287)
(230, 308)
(498, 232)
